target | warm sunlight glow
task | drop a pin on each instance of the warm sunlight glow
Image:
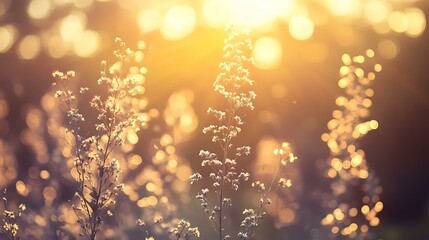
(178, 22)
(57, 47)
(148, 20)
(39, 9)
(72, 26)
(388, 48)
(286, 8)
(376, 11)
(29, 47)
(416, 22)
(215, 15)
(301, 28)
(315, 52)
(118, 118)
(256, 13)
(21, 188)
(398, 22)
(267, 53)
(7, 36)
(344, 7)
(286, 216)
(86, 44)
(84, 4)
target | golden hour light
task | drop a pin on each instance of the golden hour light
(178, 22)
(39, 9)
(44, 174)
(388, 48)
(215, 14)
(286, 210)
(398, 22)
(267, 53)
(344, 7)
(29, 47)
(86, 44)
(286, 216)
(376, 11)
(72, 26)
(213, 119)
(301, 28)
(57, 47)
(256, 13)
(83, 4)
(416, 22)
(149, 20)
(8, 35)
(316, 52)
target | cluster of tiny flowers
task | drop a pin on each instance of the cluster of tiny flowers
(347, 166)
(98, 170)
(9, 220)
(285, 153)
(232, 84)
(184, 231)
(147, 226)
(253, 217)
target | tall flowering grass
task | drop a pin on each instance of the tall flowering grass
(285, 210)
(252, 217)
(105, 164)
(97, 168)
(97, 157)
(233, 83)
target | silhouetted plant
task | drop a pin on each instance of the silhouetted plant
(254, 216)
(97, 169)
(9, 225)
(184, 231)
(232, 83)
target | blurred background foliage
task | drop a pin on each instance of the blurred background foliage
(298, 45)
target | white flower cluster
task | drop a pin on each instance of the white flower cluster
(232, 83)
(9, 225)
(97, 169)
(252, 217)
(184, 231)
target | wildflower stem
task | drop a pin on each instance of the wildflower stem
(265, 199)
(98, 172)
(230, 83)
